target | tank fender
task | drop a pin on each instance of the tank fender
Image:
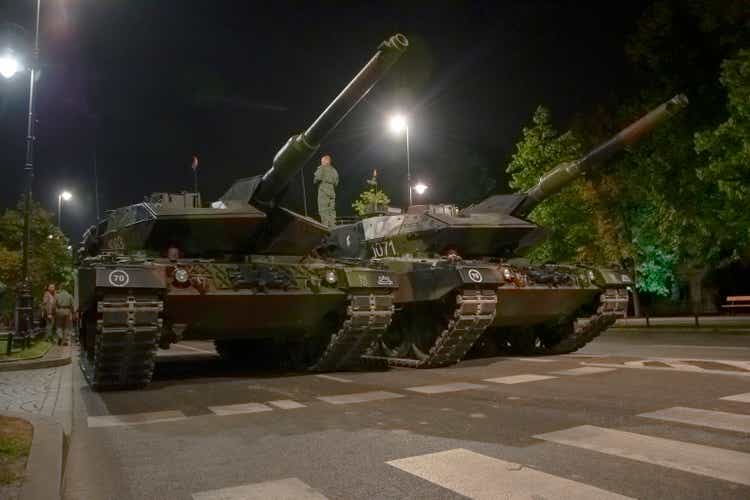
(607, 277)
(368, 278)
(474, 275)
(130, 277)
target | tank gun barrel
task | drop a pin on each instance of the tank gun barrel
(300, 148)
(563, 174)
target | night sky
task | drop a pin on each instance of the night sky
(143, 85)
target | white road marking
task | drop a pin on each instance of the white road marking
(481, 477)
(282, 489)
(518, 379)
(436, 389)
(286, 404)
(359, 397)
(717, 463)
(704, 418)
(331, 377)
(584, 370)
(536, 359)
(742, 398)
(727, 347)
(135, 418)
(638, 365)
(191, 348)
(239, 409)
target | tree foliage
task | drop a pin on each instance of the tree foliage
(568, 216)
(726, 147)
(50, 261)
(677, 200)
(371, 198)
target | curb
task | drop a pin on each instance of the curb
(43, 478)
(36, 363)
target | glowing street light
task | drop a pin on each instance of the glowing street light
(64, 196)
(398, 124)
(420, 188)
(9, 65)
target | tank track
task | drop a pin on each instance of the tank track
(613, 303)
(368, 316)
(127, 338)
(474, 312)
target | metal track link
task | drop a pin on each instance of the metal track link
(613, 304)
(368, 316)
(474, 313)
(127, 338)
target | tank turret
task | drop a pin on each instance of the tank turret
(247, 219)
(494, 227)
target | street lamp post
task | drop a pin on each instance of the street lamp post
(24, 300)
(398, 124)
(64, 196)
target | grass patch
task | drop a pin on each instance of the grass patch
(38, 348)
(15, 441)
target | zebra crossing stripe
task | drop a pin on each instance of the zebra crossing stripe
(135, 418)
(359, 397)
(286, 404)
(486, 478)
(239, 409)
(584, 370)
(518, 379)
(728, 465)
(437, 389)
(705, 418)
(282, 489)
(742, 398)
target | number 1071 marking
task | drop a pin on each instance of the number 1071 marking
(384, 249)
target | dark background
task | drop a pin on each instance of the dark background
(141, 86)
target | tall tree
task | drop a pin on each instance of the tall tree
(50, 260)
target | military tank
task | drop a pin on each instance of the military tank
(461, 279)
(240, 272)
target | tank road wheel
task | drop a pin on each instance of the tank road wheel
(441, 333)
(120, 336)
(396, 341)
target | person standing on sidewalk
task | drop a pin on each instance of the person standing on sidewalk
(64, 316)
(48, 309)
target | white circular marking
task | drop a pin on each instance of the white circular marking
(475, 276)
(119, 278)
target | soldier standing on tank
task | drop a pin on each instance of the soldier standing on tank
(328, 178)
(63, 316)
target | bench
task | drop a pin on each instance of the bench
(735, 302)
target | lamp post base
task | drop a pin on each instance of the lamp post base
(24, 322)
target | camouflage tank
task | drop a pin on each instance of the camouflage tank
(460, 276)
(240, 272)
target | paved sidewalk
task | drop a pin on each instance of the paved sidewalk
(45, 392)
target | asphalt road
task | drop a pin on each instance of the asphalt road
(636, 414)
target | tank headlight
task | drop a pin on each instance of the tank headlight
(592, 277)
(181, 275)
(331, 277)
(507, 274)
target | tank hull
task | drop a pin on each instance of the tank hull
(321, 315)
(456, 302)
